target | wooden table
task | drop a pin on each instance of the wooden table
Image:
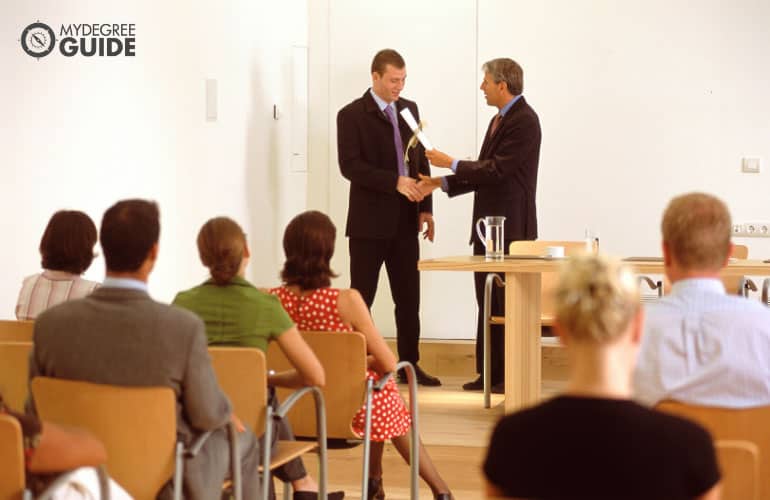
(522, 311)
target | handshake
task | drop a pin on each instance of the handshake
(417, 190)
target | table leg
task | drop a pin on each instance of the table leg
(522, 340)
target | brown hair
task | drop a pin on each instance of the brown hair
(508, 71)
(129, 230)
(596, 298)
(696, 229)
(68, 242)
(221, 245)
(308, 243)
(385, 57)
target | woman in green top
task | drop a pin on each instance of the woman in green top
(236, 313)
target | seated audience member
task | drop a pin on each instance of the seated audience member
(308, 243)
(701, 345)
(50, 450)
(118, 335)
(67, 249)
(593, 441)
(237, 314)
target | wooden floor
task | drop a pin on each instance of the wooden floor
(455, 429)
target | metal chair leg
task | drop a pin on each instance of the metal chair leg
(765, 289)
(492, 279)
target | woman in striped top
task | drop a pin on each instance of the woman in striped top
(67, 249)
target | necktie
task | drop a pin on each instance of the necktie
(495, 124)
(397, 139)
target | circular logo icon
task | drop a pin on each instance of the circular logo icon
(38, 40)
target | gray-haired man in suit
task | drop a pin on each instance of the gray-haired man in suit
(118, 335)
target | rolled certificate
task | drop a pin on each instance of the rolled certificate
(409, 119)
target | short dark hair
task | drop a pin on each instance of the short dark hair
(68, 242)
(129, 230)
(385, 57)
(508, 71)
(308, 243)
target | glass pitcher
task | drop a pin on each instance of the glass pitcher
(492, 237)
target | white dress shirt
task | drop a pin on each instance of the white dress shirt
(702, 346)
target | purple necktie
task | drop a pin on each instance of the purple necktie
(397, 139)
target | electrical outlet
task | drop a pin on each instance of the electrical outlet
(752, 229)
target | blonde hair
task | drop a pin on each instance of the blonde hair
(221, 244)
(596, 298)
(696, 228)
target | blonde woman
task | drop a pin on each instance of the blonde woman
(593, 441)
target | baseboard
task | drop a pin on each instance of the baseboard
(457, 358)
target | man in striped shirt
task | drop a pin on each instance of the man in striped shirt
(700, 345)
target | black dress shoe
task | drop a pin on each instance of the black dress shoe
(443, 496)
(423, 378)
(475, 385)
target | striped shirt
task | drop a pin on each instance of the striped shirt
(43, 290)
(702, 346)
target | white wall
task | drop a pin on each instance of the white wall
(638, 101)
(82, 133)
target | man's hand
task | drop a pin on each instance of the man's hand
(408, 187)
(439, 159)
(427, 218)
(428, 184)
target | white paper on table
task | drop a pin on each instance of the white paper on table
(409, 119)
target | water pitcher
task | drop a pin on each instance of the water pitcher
(492, 237)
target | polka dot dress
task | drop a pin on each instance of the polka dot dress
(318, 312)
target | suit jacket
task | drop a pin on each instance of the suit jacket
(504, 178)
(123, 337)
(367, 158)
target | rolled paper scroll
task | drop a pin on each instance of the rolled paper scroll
(409, 119)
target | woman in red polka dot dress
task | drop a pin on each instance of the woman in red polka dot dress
(309, 244)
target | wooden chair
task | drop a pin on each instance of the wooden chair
(547, 287)
(12, 466)
(136, 424)
(739, 461)
(16, 331)
(242, 375)
(14, 369)
(11, 459)
(343, 356)
(744, 424)
(734, 285)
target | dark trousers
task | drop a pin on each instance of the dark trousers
(497, 337)
(400, 256)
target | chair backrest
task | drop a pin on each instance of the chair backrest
(136, 424)
(343, 357)
(733, 283)
(242, 375)
(744, 424)
(548, 281)
(14, 369)
(739, 461)
(11, 459)
(16, 331)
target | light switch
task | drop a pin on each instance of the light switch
(211, 100)
(751, 166)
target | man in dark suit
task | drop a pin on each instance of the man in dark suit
(503, 181)
(386, 211)
(120, 336)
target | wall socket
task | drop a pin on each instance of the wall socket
(752, 229)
